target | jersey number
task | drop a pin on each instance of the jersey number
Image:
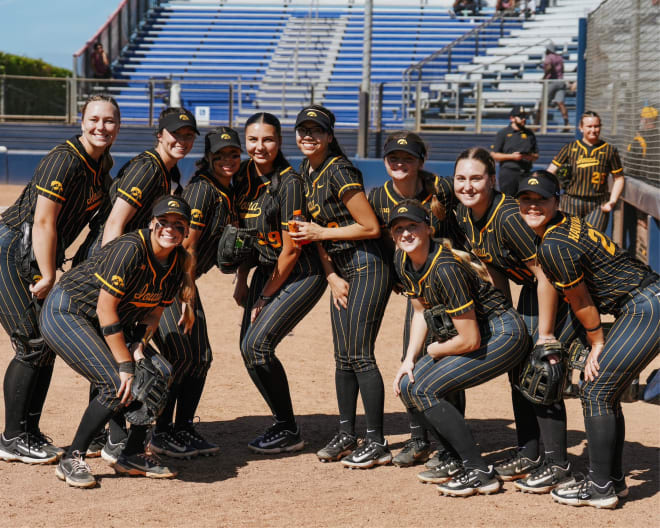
(598, 178)
(599, 237)
(274, 238)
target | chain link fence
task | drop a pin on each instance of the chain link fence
(623, 80)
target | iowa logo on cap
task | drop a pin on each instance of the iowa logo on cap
(402, 209)
(184, 117)
(533, 181)
(225, 136)
(56, 186)
(402, 142)
(136, 193)
(311, 113)
(117, 281)
(173, 203)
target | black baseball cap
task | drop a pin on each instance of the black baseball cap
(540, 182)
(223, 137)
(172, 204)
(518, 111)
(413, 212)
(176, 120)
(317, 116)
(408, 144)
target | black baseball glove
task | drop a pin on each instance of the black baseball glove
(564, 174)
(540, 381)
(577, 355)
(236, 245)
(440, 324)
(150, 389)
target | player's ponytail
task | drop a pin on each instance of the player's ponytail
(437, 207)
(187, 290)
(467, 259)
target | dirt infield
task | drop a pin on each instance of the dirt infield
(239, 488)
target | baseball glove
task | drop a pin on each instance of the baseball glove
(540, 381)
(235, 246)
(577, 355)
(150, 389)
(564, 175)
(440, 324)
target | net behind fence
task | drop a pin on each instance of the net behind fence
(623, 81)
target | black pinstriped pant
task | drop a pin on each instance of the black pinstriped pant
(15, 297)
(631, 344)
(297, 296)
(587, 209)
(189, 354)
(355, 328)
(504, 342)
(77, 341)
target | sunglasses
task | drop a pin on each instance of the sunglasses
(162, 224)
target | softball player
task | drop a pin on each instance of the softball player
(66, 190)
(210, 197)
(506, 245)
(491, 339)
(405, 153)
(591, 159)
(596, 276)
(358, 271)
(89, 314)
(287, 282)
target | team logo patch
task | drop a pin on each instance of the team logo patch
(402, 210)
(117, 281)
(533, 181)
(524, 136)
(196, 214)
(56, 186)
(225, 136)
(136, 193)
(184, 117)
(173, 203)
(311, 113)
(402, 142)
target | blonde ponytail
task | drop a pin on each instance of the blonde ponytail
(467, 260)
(187, 291)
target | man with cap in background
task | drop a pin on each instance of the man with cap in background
(515, 149)
(553, 68)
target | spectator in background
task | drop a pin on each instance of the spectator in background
(506, 7)
(553, 69)
(100, 62)
(643, 158)
(465, 8)
(515, 149)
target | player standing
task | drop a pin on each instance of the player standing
(66, 190)
(358, 271)
(287, 282)
(597, 276)
(590, 160)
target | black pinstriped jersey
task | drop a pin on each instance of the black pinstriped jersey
(589, 167)
(127, 269)
(501, 238)
(212, 208)
(571, 251)
(445, 280)
(268, 210)
(383, 200)
(508, 140)
(140, 182)
(68, 176)
(324, 190)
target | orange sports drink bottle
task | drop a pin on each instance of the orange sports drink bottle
(293, 227)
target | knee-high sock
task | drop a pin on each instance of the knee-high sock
(617, 462)
(188, 399)
(167, 416)
(451, 425)
(527, 427)
(417, 425)
(601, 444)
(20, 379)
(95, 417)
(373, 399)
(552, 424)
(137, 435)
(39, 393)
(346, 385)
(457, 399)
(275, 385)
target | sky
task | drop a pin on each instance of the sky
(51, 30)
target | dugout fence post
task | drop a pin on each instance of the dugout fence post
(2, 98)
(363, 114)
(231, 105)
(581, 72)
(477, 123)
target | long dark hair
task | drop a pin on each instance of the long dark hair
(334, 149)
(105, 161)
(280, 163)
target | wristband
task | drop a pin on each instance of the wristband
(127, 366)
(594, 328)
(111, 329)
(266, 298)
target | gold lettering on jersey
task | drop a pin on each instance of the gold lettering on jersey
(574, 229)
(598, 178)
(584, 162)
(95, 197)
(314, 209)
(385, 210)
(145, 296)
(253, 211)
(607, 244)
(273, 238)
(483, 255)
(56, 186)
(196, 215)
